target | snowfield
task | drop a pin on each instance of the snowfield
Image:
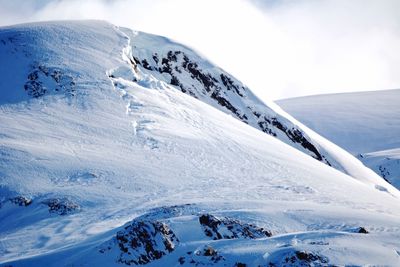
(108, 161)
(367, 124)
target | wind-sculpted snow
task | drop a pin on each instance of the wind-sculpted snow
(129, 170)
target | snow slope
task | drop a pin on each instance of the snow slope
(385, 163)
(104, 163)
(367, 124)
(194, 75)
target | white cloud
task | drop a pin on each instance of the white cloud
(340, 45)
(279, 48)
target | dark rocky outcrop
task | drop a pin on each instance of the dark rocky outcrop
(21, 201)
(230, 84)
(205, 256)
(228, 228)
(142, 242)
(299, 258)
(297, 137)
(361, 230)
(62, 206)
(43, 80)
(226, 92)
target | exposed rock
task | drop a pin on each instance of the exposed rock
(361, 230)
(181, 260)
(144, 241)
(21, 201)
(319, 243)
(228, 228)
(230, 85)
(296, 136)
(175, 81)
(62, 206)
(226, 91)
(224, 102)
(146, 65)
(299, 258)
(34, 87)
(43, 79)
(384, 172)
(310, 257)
(155, 58)
(209, 251)
(205, 256)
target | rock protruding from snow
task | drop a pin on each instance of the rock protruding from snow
(144, 241)
(21, 201)
(297, 258)
(204, 256)
(43, 80)
(386, 163)
(361, 230)
(228, 228)
(157, 233)
(193, 75)
(62, 206)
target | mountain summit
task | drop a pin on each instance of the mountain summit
(122, 148)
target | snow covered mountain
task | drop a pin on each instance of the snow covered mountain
(106, 160)
(367, 124)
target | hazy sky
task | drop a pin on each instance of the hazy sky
(278, 48)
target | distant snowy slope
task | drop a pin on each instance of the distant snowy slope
(360, 122)
(386, 163)
(105, 163)
(366, 123)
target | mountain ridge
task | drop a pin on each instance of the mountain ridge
(204, 82)
(83, 170)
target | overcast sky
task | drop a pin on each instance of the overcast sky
(279, 48)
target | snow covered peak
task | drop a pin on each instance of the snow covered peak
(93, 137)
(194, 75)
(75, 65)
(181, 67)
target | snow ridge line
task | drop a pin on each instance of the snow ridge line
(125, 76)
(115, 77)
(130, 75)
